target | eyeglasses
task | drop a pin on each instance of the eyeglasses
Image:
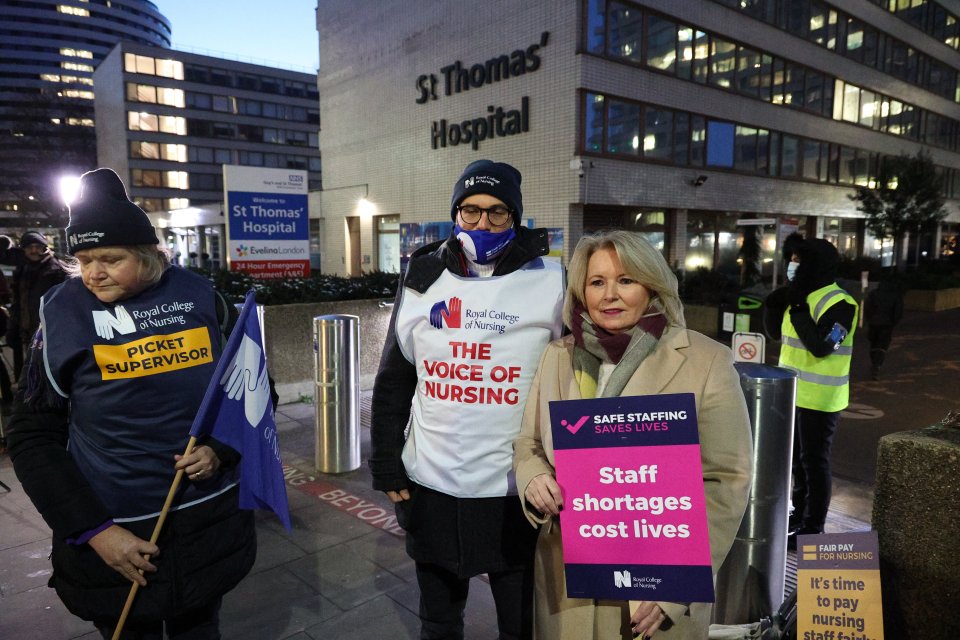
(498, 215)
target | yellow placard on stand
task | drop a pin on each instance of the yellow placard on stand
(838, 587)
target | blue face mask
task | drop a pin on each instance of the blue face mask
(792, 270)
(483, 246)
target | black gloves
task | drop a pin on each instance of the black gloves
(796, 297)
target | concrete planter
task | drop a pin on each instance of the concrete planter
(288, 330)
(932, 300)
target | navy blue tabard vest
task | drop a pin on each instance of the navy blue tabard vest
(135, 372)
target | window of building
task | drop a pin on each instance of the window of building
(745, 149)
(224, 130)
(851, 103)
(250, 83)
(141, 93)
(749, 72)
(76, 66)
(625, 24)
(141, 149)
(139, 121)
(593, 122)
(794, 84)
(251, 158)
(815, 98)
(774, 154)
(224, 104)
(173, 124)
(658, 134)
(681, 138)
(661, 43)
(176, 180)
(145, 178)
(723, 62)
(823, 25)
(205, 181)
(73, 11)
(170, 69)
(720, 141)
(810, 165)
(789, 157)
(701, 240)
(201, 154)
(701, 57)
(623, 128)
(139, 64)
(698, 140)
(388, 243)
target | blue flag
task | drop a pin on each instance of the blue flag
(237, 411)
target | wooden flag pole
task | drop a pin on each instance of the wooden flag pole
(153, 540)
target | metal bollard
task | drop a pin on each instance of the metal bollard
(750, 583)
(336, 401)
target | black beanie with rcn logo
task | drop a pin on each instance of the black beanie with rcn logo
(497, 179)
(103, 215)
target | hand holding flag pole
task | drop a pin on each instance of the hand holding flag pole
(236, 411)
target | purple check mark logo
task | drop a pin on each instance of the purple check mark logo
(573, 428)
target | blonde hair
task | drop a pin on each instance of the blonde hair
(640, 260)
(152, 260)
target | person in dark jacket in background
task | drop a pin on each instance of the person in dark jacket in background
(817, 322)
(473, 314)
(37, 270)
(6, 388)
(882, 312)
(126, 348)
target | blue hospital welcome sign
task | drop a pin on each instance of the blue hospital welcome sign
(268, 221)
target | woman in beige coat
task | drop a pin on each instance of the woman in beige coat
(628, 338)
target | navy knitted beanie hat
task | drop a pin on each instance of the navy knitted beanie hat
(497, 179)
(103, 215)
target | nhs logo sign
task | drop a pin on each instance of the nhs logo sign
(621, 579)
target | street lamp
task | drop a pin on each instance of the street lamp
(69, 189)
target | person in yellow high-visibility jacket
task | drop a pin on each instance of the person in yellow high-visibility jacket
(818, 320)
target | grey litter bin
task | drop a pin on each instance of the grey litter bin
(336, 347)
(751, 581)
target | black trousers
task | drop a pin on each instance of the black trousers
(443, 598)
(879, 337)
(199, 624)
(812, 482)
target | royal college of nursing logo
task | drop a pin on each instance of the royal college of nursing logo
(105, 322)
(443, 313)
(621, 579)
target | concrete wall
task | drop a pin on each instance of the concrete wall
(288, 332)
(290, 350)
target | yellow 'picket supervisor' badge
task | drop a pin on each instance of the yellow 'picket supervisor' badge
(153, 355)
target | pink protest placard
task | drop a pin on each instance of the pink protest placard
(634, 521)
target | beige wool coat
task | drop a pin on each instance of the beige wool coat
(683, 362)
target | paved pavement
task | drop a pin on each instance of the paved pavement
(342, 572)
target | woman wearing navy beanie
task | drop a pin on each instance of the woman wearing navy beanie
(472, 317)
(125, 350)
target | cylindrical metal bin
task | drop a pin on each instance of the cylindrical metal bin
(750, 582)
(336, 400)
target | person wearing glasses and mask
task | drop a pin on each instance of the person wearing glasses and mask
(473, 314)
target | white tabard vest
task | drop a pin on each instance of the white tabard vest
(476, 343)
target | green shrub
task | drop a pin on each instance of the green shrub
(317, 288)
